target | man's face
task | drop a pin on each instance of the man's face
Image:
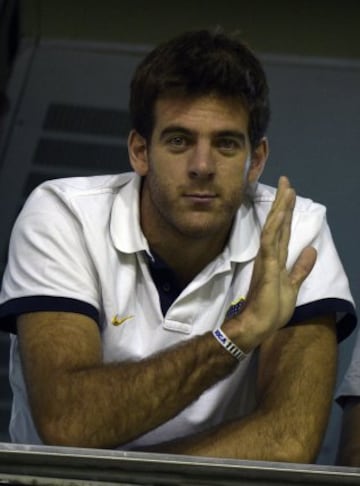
(197, 166)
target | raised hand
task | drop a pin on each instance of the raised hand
(273, 289)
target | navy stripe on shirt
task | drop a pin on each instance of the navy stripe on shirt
(42, 303)
(12, 308)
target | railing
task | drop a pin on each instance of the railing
(55, 466)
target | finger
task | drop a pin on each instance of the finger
(303, 266)
(285, 230)
(272, 229)
(283, 185)
(269, 244)
(280, 202)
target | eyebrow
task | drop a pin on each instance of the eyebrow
(221, 133)
(175, 129)
(232, 134)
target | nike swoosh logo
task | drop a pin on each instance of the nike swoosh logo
(117, 321)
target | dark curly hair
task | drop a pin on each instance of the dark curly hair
(201, 63)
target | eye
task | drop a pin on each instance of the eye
(177, 143)
(228, 145)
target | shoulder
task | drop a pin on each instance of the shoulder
(68, 206)
(264, 195)
(77, 187)
(75, 194)
(309, 226)
(306, 212)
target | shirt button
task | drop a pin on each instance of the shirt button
(166, 287)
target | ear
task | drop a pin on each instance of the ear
(258, 160)
(138, 154)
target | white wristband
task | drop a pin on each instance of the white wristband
(228, 344)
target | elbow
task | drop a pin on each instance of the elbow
(60, 432)
(72, 431)
(293, 451)
(65, 425)
(55, 434)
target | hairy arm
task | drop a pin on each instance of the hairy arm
(78, 400)
(349, 446)
(297, 368)
(296, 383)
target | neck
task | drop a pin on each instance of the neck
(186, 260)
(185, 255)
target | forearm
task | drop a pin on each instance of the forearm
(251, 438)
(298, 382)
(295, 394)
(107, 405)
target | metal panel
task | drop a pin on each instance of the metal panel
(56, 465)
(65, 466)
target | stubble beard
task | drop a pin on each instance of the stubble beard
(188, 224)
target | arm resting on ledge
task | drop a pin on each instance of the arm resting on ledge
(295, 385)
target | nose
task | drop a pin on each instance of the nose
(201, 162)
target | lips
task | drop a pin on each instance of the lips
(201, 195)
(203, 199)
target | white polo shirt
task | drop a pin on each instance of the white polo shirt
(77, 246)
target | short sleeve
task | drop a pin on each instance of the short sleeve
(326, 289)
(49, 266)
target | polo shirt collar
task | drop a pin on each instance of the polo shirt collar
(125, 229)
(128, 237)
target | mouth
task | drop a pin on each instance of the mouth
(201, 197)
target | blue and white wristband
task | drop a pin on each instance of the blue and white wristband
(231, 347)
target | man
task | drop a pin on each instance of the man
(151, 307)
(348, 396)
